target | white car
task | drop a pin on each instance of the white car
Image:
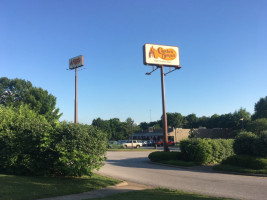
(132, 144)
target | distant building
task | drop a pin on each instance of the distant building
(174, 134)
(178, 134)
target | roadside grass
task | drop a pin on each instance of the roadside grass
(28, 187)
(159, 194)
(232, 168)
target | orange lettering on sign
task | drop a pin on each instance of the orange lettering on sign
(165, 54)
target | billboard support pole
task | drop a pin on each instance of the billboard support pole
(76, 99)
(74, 63)
(164, 117)
(160, 56)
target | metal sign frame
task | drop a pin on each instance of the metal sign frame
(162, 74)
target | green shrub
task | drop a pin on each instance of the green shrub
(29, 145)
(161, 155)
(250, 144)
(260, 145)
(81, 149)
(206, 150)
(258, 126)
(24, 142)
(246, 161)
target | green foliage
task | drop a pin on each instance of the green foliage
(206, 150)
(29, 145)
(258, 126)
(24, 141)
(190, 121)
(246, 161)
(237, 120)
(260, 109)
(161, 155)
(240, 119)
(81, 149)
(196, 149)
(115, 129)
(15, 92)
(12, 91)
(175, 120)
(250, 144)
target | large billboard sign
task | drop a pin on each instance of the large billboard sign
(76, 62)
(155, 54)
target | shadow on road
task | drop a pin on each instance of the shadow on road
(146, 164)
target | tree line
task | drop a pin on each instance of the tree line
(15, 92)
(238, 120)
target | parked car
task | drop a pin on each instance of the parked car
(132, 144)
(144, 143)
(158, 143)
(114, 145)
(170, 143)
(150, 143)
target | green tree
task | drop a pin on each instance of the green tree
(190, 121)
(103, 125)
(12, 91)
(241, 118)
(175, 120)
(116, 127)
(144, 126)
(203, 121)
(258, 126)
(15, 92)
(129, 127)
(226, 121)
(260, 109)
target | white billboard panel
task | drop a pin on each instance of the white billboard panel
(155, 54)
(76, 62)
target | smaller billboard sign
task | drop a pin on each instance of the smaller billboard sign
(155, 54)
(76, 62)
(150, 129)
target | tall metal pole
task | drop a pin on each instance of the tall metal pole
(164, 121)
(76, 99)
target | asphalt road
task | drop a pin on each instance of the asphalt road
(135, 167)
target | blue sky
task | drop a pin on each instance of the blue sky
(223, 53)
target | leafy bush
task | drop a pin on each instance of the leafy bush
(24, 141)
(81, 149)
(260, 145)
(196, 149)
(246, 161)
(258, 126)
(206, 150)
(250, 144)
(29, 145)
(161, 155)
